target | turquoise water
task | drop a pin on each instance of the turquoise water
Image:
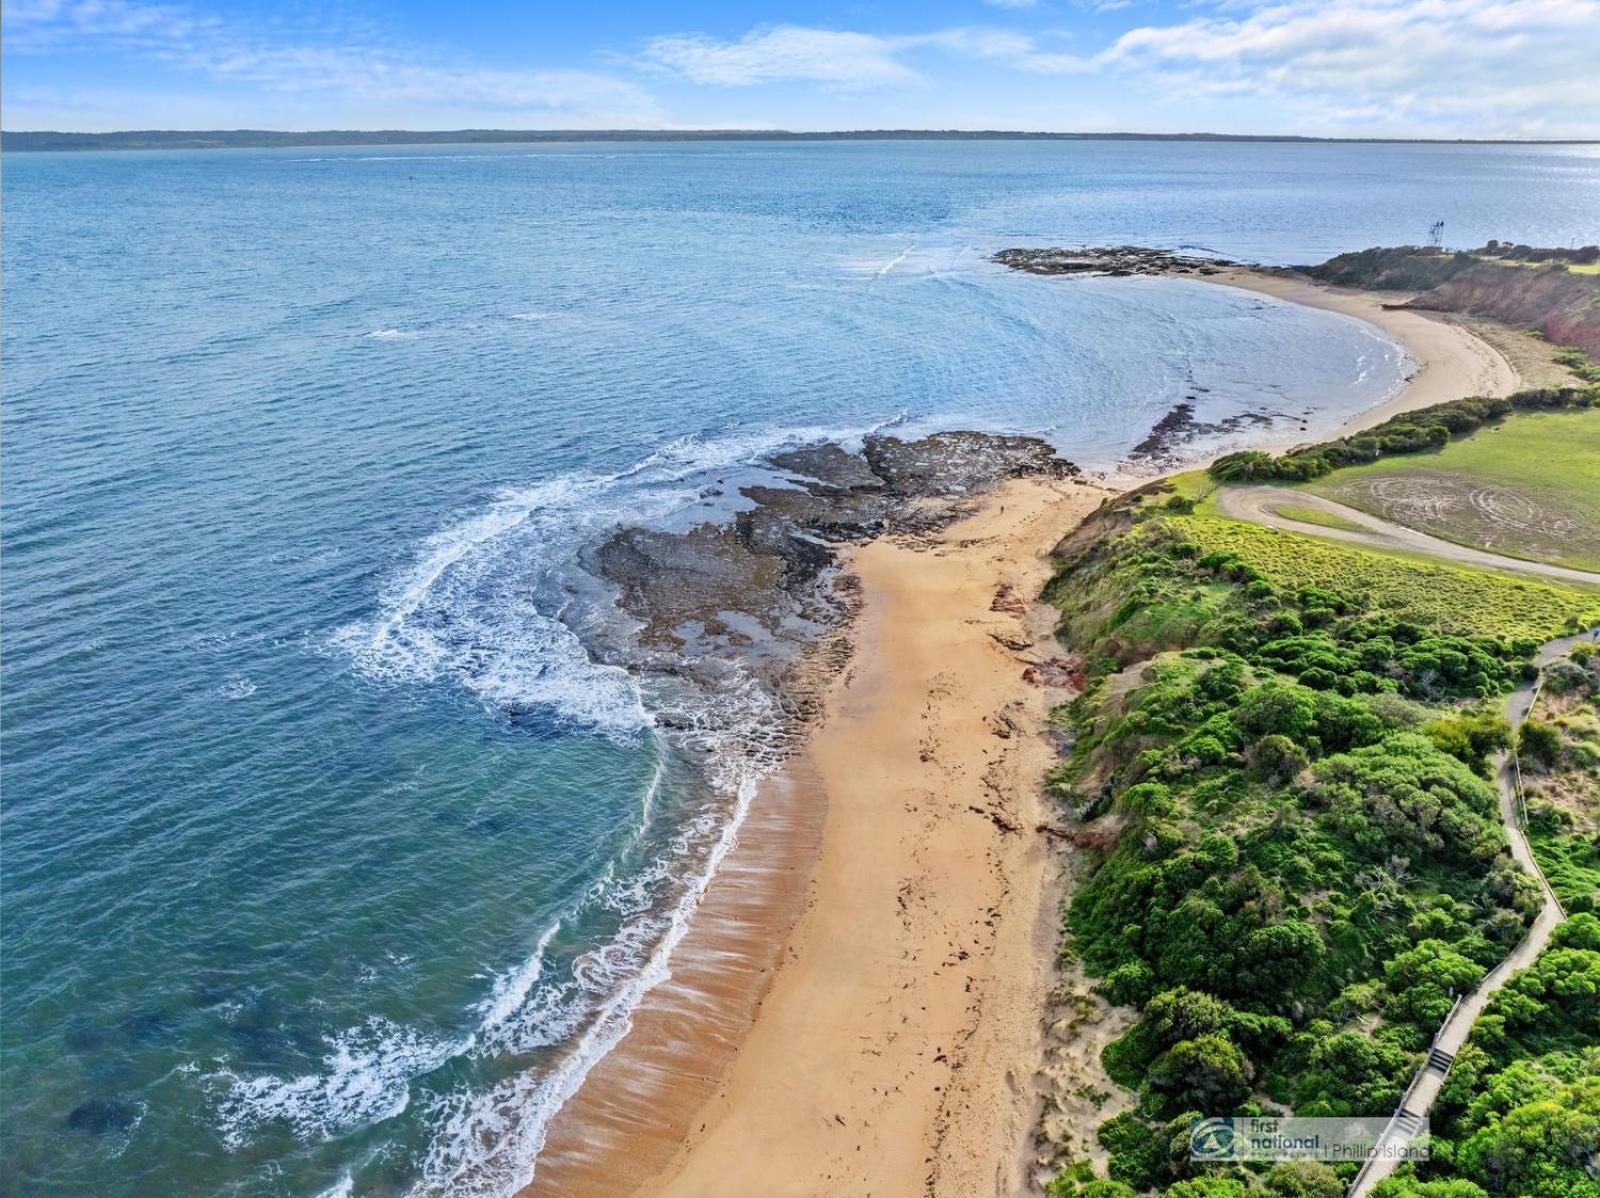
(331, 858)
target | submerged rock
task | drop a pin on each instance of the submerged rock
(103, 1116)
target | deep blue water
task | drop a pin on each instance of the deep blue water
(326, 848)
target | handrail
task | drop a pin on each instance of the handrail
(1522, 800)
(1511, 763)
(1405, 1097)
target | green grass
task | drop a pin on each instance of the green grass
(1528, 488)
(1582, 366)
(1573, 268)
(1456, 599)
(1571, 864)
(1301, 514)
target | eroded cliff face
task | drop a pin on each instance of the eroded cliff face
(1564, 306)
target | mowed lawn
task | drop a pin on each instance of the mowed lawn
(1528, 488)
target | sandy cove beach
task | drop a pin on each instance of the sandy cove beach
(859, 1007)
(1451, 360)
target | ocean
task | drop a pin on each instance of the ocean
(332, 858)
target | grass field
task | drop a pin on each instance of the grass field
(1528, 488)
(1448, 598)
(1315, 515)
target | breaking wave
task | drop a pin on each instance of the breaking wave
(498, 603)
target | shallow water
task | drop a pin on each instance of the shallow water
(330, 857)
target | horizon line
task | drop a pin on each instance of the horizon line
(26, 140)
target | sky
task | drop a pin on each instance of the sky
(1342, 68)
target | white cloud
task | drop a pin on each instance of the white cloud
(354, 70)
(845, 60)
(788, 52)
(1400, 67)
(1473, 66)
(1443, 67)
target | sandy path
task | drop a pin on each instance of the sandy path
(1259, 504)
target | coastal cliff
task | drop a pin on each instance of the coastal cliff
(1561, 304)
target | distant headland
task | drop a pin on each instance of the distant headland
(239, 139)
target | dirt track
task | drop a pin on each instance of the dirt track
(1259, 504)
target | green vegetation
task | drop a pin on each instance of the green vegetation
(1520, 1113)
(1528, 488)
(1302, 514)
(1575, 360)
(1287, 742)
(1414, 589)
(1583, 259)
(1408, 433)
(1560, 755)
(1421, 268)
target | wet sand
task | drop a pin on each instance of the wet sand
(1450, 360)
(859, 1006)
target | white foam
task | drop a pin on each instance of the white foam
(478, 605)
(487, 1144)
(465, 609)
(511, 990)
(390, 335)
(366, 1077)
(489, 601)
(893, 262)
(237, 687)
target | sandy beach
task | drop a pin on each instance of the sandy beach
(860, 1008)
(1451, 360)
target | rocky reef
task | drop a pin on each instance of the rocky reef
(1116, 261)
(1170, 436)
(765, 585)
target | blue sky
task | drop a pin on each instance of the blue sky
(1437, 68)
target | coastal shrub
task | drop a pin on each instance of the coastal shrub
(1404, 796)
(1208, 1186)
(1470, 736)
(1208, 1073)
(1303, 1179)
(1541, 1148)
(1539, 743)
(1348, 1073)
(1069, 1185)
(1138, 1158)
(1276, 758)
(1409, 432)
(1309, 865)
(1411, 1187)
